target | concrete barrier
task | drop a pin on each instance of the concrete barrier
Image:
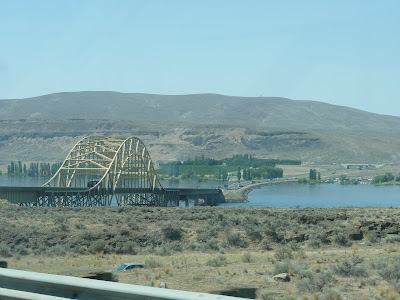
(16, 284)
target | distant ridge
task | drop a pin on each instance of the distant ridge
(204, 109)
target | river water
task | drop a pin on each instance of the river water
(322, 195)
(281, 195)
(22, 180)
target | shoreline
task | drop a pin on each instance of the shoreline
(241, 195)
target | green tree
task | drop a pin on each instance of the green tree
(245, 174)
(239, 174)
(19, 168)
(224, 175)
(342, 178)
(383, 178)
(313, 174)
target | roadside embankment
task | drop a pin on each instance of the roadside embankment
(241, 195)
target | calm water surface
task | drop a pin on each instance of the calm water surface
(22, 181)
(322, 195)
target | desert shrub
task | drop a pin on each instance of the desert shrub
(172, 231)
(86, 236)
(236, 240)
(247, 258)
(97, 246)
(109, 221)
(264, 244)
(217, 261)
(60, 219)
(164, 250)
(313, 282)
(80, 225)
(300, 254)
(283, 253)
(79, 249)
(39, 249)
(5, 250)
(132, 224)
(351, 267)
(21, 250)
(128, 247)
(252, 228)
(340, 238)
(236, 220)
(293, 245)
(212, 244)
(153, 263)
(222, 219)
(208, 233)
(283, 267)
(271, 231)
(250, 219)
(57, 250)
(317, 239)
(393, 239)
(388, 268)
(4, 203)
(267, 295)
(167, 249)
(314, 242)
(195, 246)
(373, 238)
(331, 294)
(125, 231)
(64, 226)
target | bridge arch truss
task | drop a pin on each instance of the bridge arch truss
(100, 169)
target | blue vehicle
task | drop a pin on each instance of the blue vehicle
(130, 266)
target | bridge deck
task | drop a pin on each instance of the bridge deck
(18, 194)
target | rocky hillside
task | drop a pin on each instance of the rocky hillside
(52, 140)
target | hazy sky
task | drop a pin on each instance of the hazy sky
(341, 52)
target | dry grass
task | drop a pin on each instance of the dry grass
(219, 248)
(190, 271)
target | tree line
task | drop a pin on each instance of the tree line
(245, 166)
(387, 177)
(33, 170)
(264, 172)
(240, 160)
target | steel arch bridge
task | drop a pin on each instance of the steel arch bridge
(99, 169)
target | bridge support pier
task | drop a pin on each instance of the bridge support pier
(196, 200)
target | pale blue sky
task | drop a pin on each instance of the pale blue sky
(341, 52)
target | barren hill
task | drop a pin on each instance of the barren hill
(177, 127)
(198, 109)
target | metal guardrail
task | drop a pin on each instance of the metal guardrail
(16, 284)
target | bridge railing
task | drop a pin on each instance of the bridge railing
(16, 284)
